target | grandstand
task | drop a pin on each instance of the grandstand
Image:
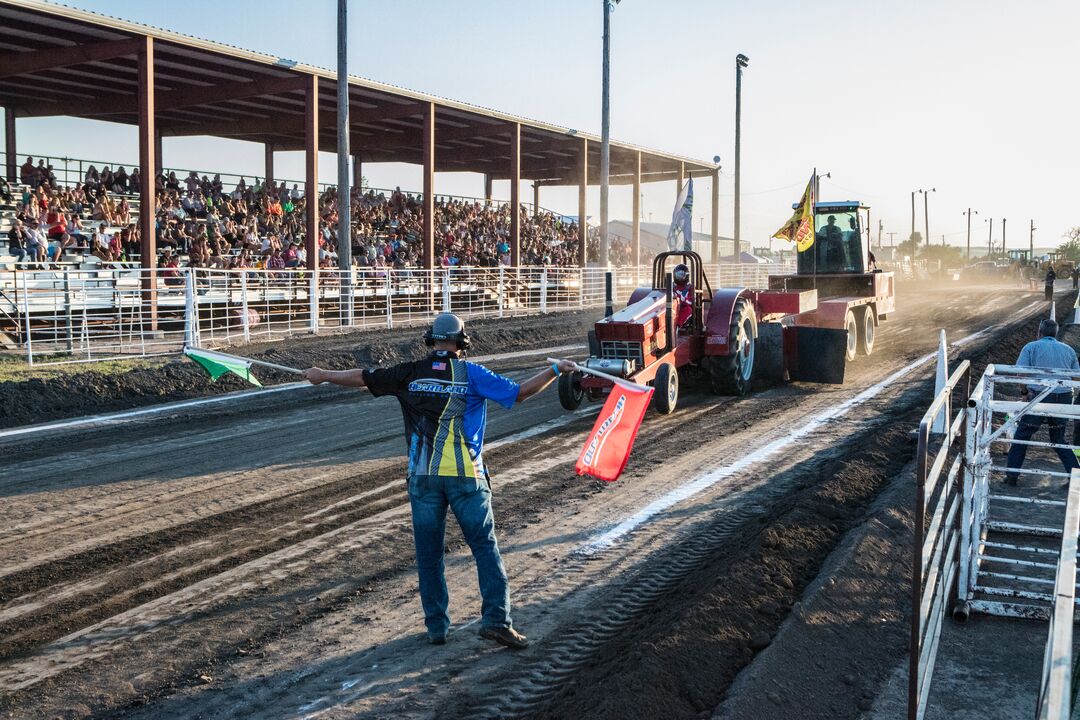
(99, 267)
(61, 61)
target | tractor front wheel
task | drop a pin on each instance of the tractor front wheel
(852, 335)
(570, 392)
(667, 389)
(731, 374)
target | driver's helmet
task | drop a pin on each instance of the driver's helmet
(681, 274)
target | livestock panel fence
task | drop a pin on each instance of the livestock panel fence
(90, 312)
(982, 542)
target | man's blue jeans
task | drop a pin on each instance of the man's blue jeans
(470, 499)
(1026, 428)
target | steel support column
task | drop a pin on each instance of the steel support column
(583, 184)
(428, 244)
(715, 254)
(515, 195)
(159, 155)
(9, 146)
(635, 236)
(147, 175)
(536, 199)
(268, 162)
(487, 188)
(357, 172)
(311, 165)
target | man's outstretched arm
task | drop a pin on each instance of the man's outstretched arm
(345, 378)
(542, 379)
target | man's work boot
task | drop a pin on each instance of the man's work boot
(506, 636)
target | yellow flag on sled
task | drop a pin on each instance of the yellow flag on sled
(800, 228)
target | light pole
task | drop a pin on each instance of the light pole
(605, 132)
(989, 237)
(344, 234)
(1003, 221)
(741, 61)
(969, 213)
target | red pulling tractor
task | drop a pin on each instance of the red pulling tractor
(806, 326)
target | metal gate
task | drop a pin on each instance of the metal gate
(1013, 537)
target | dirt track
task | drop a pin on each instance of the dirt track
(257, 561)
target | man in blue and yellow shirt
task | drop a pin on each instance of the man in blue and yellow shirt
(443, 401)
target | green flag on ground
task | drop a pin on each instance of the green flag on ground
(217, 364)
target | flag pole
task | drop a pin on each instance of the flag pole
(813, 223)
(263, 363)
(617, 380)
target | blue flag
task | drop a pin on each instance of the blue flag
(681, 234)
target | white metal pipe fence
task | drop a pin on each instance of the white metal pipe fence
(983, 548)
(99, 312)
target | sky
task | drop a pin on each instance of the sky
(974, 98)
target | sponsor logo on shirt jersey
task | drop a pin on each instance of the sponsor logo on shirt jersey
(434, 386)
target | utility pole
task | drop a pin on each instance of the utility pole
(969, 213)
(1031, 243)
(880, 227)
(344, 228)
(1003, 237)
(605, 134)
(926, 212)
(912, 235)
(990, 239)
(892, 239)
(741, 61)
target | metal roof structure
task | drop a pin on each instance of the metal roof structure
(61, 61)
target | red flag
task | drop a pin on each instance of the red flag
(608, 447)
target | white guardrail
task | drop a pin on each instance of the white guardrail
(83, 314)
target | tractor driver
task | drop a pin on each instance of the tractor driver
(683, 291)
(831, 238)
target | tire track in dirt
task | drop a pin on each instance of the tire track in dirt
(384, 556)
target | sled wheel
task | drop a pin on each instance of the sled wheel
(866, 331)
(852, 335)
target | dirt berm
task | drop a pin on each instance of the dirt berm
(81, 393)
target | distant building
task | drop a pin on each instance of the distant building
(654, 239)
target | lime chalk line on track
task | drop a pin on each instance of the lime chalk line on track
(609, 537)
(125, 416)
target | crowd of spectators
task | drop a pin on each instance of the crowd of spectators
(263, 225)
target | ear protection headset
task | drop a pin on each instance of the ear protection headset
(447, 326)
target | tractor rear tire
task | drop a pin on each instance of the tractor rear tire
(866, 331)
(666, 386)
(732, 374)
(570, 392)
(852, 328)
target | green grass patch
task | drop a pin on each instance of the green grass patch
(13, 368)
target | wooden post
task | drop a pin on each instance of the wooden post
(635, 239)
(311, 164)
(268, 162)
(147, 174)
(429, 187)
(515, 195)
(9, 145)
(583, 184)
